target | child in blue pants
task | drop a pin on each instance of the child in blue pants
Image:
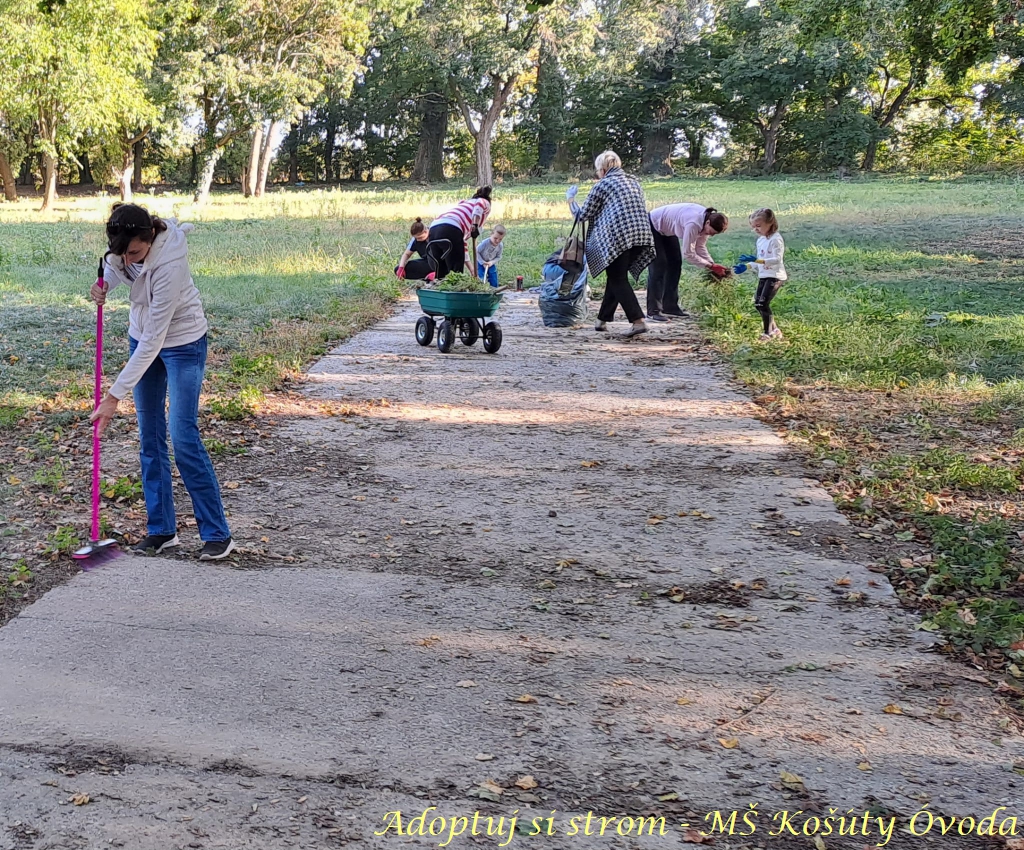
(488, 253)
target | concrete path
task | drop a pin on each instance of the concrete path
(580, 565)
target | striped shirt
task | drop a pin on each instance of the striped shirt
(462, 214)
(133, 271)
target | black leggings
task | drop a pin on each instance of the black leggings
(618, 291)
(446, 249)
(417, 269)
(767, 289)
(663, 276)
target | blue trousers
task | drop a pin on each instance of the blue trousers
(177, 374)
(491, 276)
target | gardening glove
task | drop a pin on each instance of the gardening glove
(718, 270)
(400, 272)
(474, 231)
(572, 192)
(747, 258)
(739, 268)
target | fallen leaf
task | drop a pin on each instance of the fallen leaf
(792, 781)
(484, 757)
(590, 464)
(864, 765)
(729, 743)
(231, 485)
(892, 709)
(526, 698)
(684, 701)
(527, 783)
(81, 799)
(694, 836)
(466, 683)
(818, 842)
(669, 797)
(843, 582)
(302, 800)
(796, 533)
(492, 786)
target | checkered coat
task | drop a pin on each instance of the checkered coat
(617, 211)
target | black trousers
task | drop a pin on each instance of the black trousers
(417, 269)
(663, 276)
(618, 291)
(767, 289)
(446, 249)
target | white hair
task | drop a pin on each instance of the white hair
(607, 161)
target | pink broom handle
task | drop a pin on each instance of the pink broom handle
(97, 397)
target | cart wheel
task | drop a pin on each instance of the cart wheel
(469, 331)
(492, 337)
(424, 330)
(445, 337)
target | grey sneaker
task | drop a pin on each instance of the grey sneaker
(657, 317)
(635, 330)
(154, 544)
(214, 550)
(601, 326)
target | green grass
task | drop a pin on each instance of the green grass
(909, 287)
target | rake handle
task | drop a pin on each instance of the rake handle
(97, 398)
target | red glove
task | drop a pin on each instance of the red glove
(719, 271)
(400, 272)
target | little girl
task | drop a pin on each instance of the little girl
(770, 269)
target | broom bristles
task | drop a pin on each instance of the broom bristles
(97, 555)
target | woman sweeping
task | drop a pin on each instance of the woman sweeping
(620, 240)
(167, 347)
(690, 225)
(450, 233)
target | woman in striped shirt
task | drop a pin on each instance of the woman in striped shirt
(451, 231)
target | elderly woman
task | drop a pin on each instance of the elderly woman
(620, 241)
(689, 224)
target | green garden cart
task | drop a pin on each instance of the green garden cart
(462, 313)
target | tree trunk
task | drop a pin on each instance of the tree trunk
(659, 136)
(482, 134)
(484, 163)
(137, 151)
(659, 141)
(429, 165)
(770, 134)
(266, 153)
(85, 177)
(193, 174)
(25, 173)
(870, 155)
(695, 143)
(210, 160)
(124, 173)
(329, 143)
(292, 143)
(252, 169)
(7, 176)
(49, 181)
(550, 105)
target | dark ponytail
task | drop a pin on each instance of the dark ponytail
(417, 227)
(128, 222)
(483, 192)
(719, 221)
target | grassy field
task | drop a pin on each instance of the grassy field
(900, 369)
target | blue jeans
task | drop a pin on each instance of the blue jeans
(491, 276)
(177, 372)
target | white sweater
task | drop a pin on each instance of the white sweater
(165, 307)
(771, 249)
